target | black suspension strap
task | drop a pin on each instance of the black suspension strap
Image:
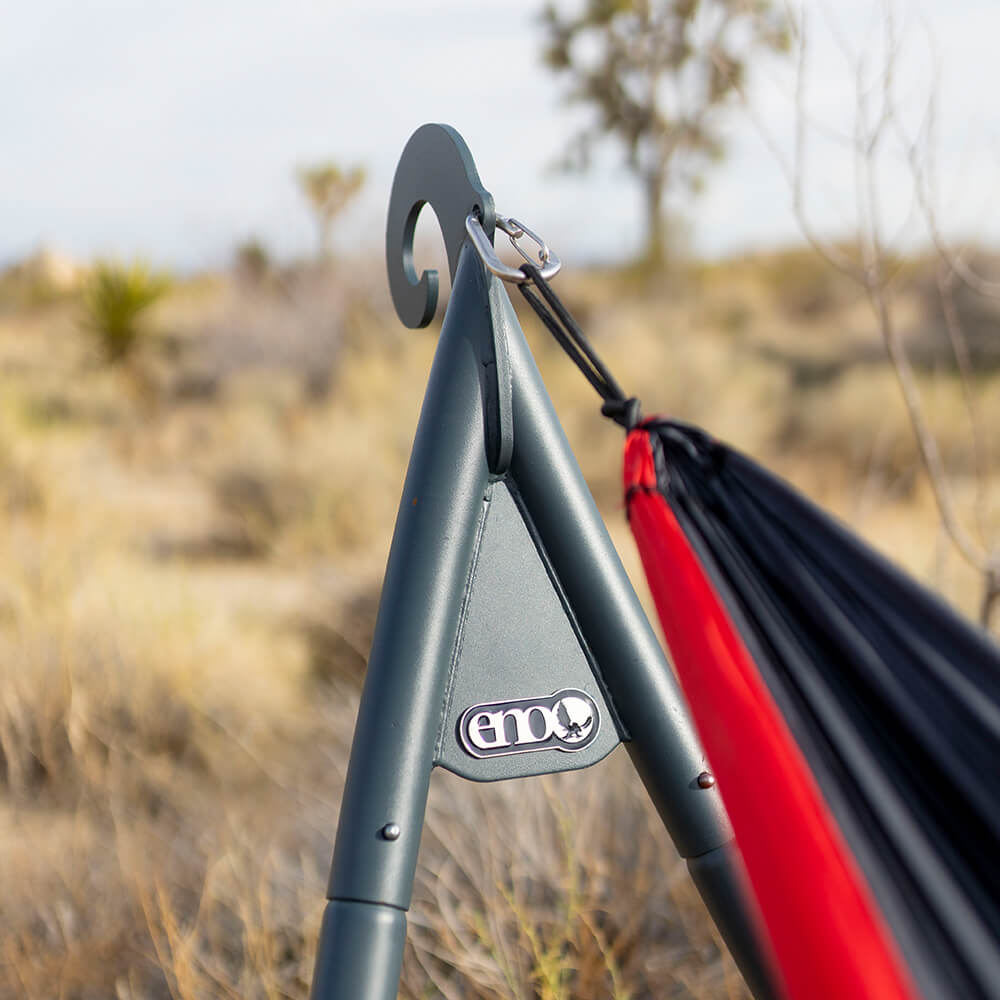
(624, 410)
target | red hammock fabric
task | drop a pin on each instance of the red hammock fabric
(827, 934)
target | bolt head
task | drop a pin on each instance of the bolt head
(706, 780)
(391, 831)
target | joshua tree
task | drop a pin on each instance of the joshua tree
(329, 189)
(658, 74)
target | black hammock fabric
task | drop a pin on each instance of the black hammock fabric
(891, 697)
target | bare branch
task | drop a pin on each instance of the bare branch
(920, 157)
(991, 597)
(828, 251)
(927, 445)
(878, 293)
(946, 280)
(878, 115)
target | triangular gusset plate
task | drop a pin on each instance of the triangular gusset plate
(523, 695)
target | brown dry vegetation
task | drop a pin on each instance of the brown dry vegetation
(191, 549)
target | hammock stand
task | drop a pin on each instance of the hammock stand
(496, 523)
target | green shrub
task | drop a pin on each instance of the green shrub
(114, 297)
(252, 261)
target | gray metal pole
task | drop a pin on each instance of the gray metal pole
(382, 813)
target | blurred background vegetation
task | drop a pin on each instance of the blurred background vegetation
(198, 483)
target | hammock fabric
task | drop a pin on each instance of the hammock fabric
(852, 720)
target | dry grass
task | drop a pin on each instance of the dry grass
(571, 891)
(190, 566)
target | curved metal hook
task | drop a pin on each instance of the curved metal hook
(436, 168)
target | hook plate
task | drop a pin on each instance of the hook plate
(436, 169)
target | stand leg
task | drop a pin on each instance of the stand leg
(382, 813)
(665, 748)
(718, 878)
(360, 951)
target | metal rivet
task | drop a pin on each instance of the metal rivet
(391, 831)
(706, 780)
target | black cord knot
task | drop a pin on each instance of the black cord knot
(627, 412)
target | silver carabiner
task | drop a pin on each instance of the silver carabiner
(548, 263)
(515, 230)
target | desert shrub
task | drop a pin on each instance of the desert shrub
(252, 261)
(976, 315)
(802, 284)
(259, 503)
(65, 715)
(299, 331)
(21, 489)
(733, 317)
(114, 298)
(338, 639)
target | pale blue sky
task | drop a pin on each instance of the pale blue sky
(173, 128)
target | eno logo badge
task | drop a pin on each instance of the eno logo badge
(567, 720)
